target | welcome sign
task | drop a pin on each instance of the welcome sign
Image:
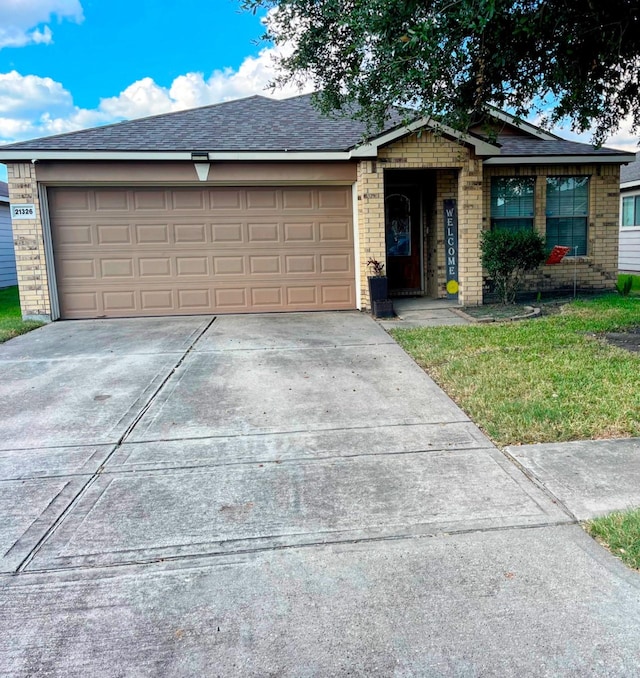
(451, 246)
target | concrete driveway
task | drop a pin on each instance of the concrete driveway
(285, 495)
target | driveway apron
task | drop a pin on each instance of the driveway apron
(277, 495)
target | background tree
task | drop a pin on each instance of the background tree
(448, 58)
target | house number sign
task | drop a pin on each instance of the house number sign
(451, 246)
(27, 211)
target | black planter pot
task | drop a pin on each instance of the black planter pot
(378, 288)
(383, 308)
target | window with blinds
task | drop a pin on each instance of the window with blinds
(568, 213)
(512, 203)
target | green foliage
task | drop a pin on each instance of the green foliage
(620, 533)
(624, 285)
(11, 323)
(575, 60)
(508, 255)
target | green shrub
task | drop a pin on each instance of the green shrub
(624, 285)
(508, 255)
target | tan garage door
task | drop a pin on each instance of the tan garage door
(149, 251)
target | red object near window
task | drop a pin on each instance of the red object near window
(558, 253)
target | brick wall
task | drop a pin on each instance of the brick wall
(29, 244)
(461, 178)
(597, 270)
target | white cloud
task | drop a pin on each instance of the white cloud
(26, 95)
(21, 21)
(146, 97)
(31, 106)
(623, 139)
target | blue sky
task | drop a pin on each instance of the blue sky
(72, 64)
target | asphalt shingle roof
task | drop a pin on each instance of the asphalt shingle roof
(515, 145)
(258, 124)
(631, 172)
(253, 124)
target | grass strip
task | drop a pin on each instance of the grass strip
(620, 533)
(11, 323)
(549, 379)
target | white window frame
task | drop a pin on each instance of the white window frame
(628, 194)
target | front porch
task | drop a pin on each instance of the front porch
(401, 219)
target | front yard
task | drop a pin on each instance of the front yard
(11, 323)
(545, 380)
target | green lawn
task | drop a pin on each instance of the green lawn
(543, 380)
(11, 323)
(620, 533)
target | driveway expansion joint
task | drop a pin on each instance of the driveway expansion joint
(99, 471)
(284, 547)
(533, 478)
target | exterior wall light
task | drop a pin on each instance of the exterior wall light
(202, 164)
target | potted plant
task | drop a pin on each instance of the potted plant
(381, 305)
(378, 287)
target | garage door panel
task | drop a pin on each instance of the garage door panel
(266, 297)
(190, 233)
(71, 202)
(117, 268)
(80, 270)
(231, 299)
(227, 233)
(299, 233)
(226, 266)
(152, 234)
(189, 200)
(192, 266)
(230, 199)
(298, 199)
(149, 200)
(168, 251)
(75, 235)
(154, 267)
(262, 199)
(300, 263)
(80, 304)
(334, 199)
(302, 296)
(265, 265)
(336, 294)
(119, 301)
(338, 232)
(335, 263)
(196, 301)
(263, 233)
(112, 200)
(112, 234)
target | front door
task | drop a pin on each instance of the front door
(402, 228)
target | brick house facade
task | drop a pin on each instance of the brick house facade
(298, 226)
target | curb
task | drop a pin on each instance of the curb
(532, 312)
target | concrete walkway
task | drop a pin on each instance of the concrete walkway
(412, 312)
(280, 495)
(590, 477)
